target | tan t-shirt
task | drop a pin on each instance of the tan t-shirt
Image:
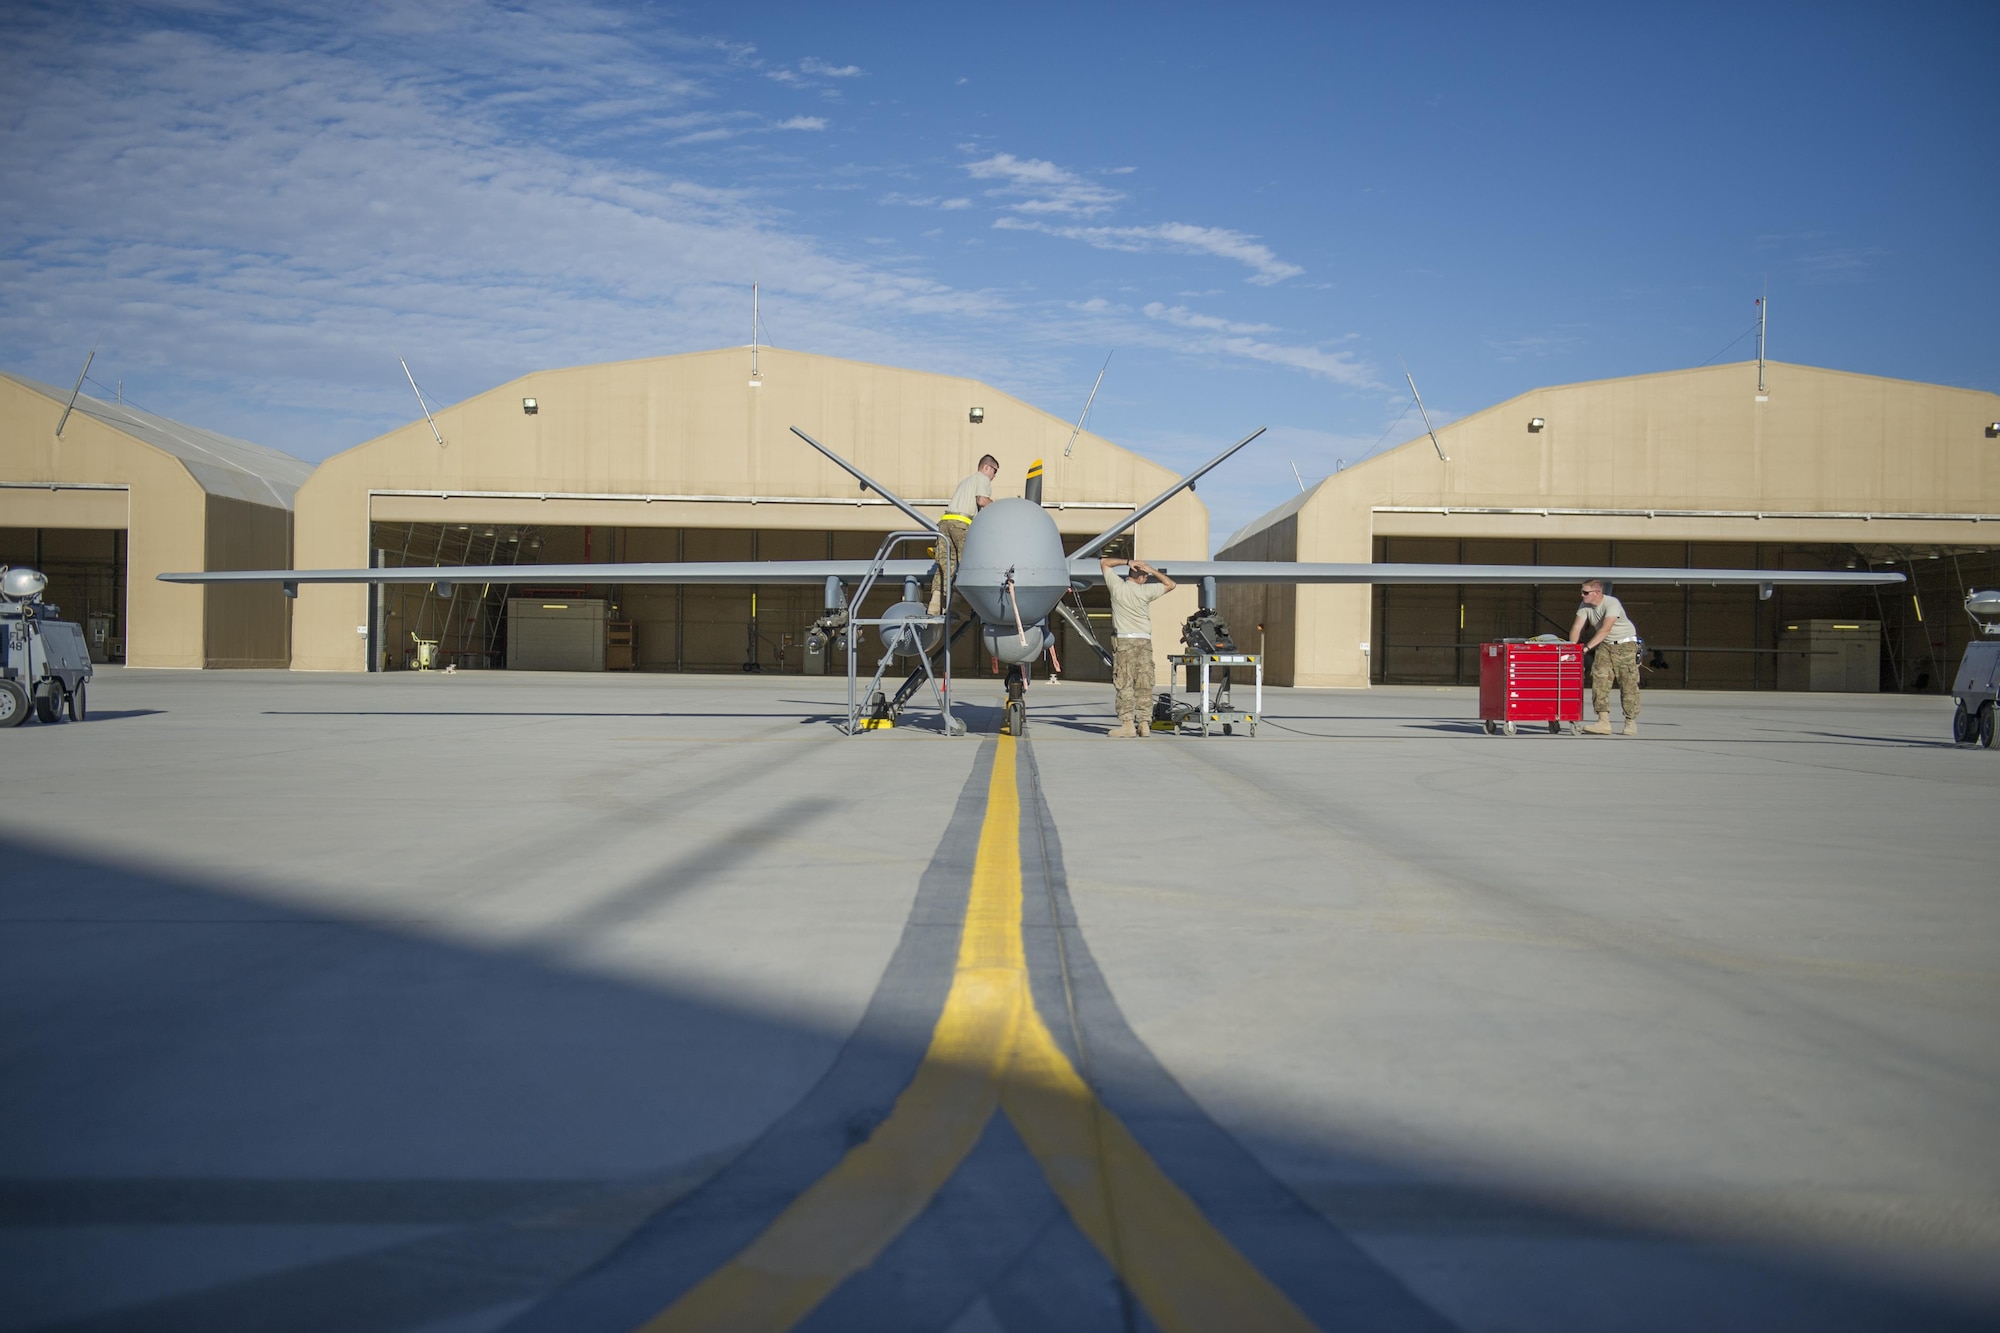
(1593, 617)
(965, 500)
(1131, 606)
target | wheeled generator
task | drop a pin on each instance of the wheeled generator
(1977, 685)
(44, 661)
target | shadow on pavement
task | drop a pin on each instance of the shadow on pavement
(221, 1113)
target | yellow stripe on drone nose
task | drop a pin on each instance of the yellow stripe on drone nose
(991, 1049)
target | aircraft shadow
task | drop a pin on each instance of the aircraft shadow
(223, 1113)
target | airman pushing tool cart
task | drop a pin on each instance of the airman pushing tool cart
(44, 662)
(1977, 686)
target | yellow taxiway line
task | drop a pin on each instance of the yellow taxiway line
(991, 1050)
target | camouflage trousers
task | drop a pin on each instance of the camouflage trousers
(950, 552)
(1132, 680)
(1622, 661)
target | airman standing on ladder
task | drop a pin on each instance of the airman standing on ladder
(973, 494)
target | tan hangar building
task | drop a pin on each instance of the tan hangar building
(123, 495)
(1822, 469)
(672, 458)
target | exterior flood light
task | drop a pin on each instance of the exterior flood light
(978, 414)
(1535, 425)
(529, 407)
(1993, 431)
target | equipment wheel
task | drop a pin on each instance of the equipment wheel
(1508, 727)
(49, 704)
(1986, 725)
(79, 706)
(1964, 724)
(1555, 728)
(1229, 729)
(1488, 724)
(13, 704)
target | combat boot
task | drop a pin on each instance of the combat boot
(1601, 727)
(1124, 731)
(1631, 727)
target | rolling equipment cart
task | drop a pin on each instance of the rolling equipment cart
(1215, 712)
(1521, 680)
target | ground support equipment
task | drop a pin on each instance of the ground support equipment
(873, 710)
(1522, 681)
(1977, 685)
(45, 664)
(1207, 676)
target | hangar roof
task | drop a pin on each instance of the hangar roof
(220, 464)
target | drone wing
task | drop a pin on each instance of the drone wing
(743, 572)
(1286, 571)
(1090, 548)
(868, 483)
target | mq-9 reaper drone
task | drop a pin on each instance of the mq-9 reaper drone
(1014, 576)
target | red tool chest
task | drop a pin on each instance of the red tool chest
(1520, 681)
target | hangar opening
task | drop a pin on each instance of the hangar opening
(535, 624)
(1905, 639)
(86, 573)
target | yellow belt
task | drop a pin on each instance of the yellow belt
(957, 517)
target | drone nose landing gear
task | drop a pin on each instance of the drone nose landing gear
(1014, 713)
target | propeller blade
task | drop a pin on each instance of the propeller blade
(1033, 490)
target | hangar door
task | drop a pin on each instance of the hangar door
(86, 571)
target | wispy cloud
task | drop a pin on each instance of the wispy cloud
(1192, 333)
(310, 202)
(1225, 337)
(925, 201)
(1188, 319)
(1265, 267)
(814, 65)
(257, 213)
(1035, 186)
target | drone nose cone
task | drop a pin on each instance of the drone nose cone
(1013, 560)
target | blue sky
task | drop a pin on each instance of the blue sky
(1264, 212)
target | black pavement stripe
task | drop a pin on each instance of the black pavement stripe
(992, 1212)
(1331, 1279)
(677, 1249)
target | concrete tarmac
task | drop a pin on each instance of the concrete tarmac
(454, 1003)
